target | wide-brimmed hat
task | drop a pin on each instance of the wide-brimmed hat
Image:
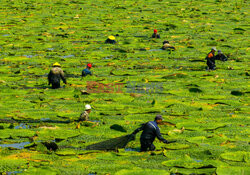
(56, 65)
(111, 37)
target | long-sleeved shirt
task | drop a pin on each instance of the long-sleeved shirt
(221, 57)
(55, 74)
(156, 35)
(86, 72)
(210, 58)
(150, 131)
(84, 116)
(167, 46)
(109, 41)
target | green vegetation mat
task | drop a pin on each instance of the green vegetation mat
(206, 112)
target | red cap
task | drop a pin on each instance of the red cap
(89, 65)
(155, 31)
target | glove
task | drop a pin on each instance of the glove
(165, 141)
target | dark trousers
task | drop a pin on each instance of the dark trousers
(211, 65)
(147, 144)
(55, 85)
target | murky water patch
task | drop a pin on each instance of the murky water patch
(68, 56)
(153, 50)
(13, 172)
(132, 149)
(30, 56)
(22, 126)
(15, 145)
(198, 161)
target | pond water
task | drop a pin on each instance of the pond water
(29, 56)
(22, 126)
(15, 145)
(13, 172)
(155, 50)
(197, 160)
(68, 56)
(132, 149)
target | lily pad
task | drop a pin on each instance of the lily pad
(66, 153)
(232, 170)
(138, 171)
(186, 171)
(239, 156)
(118, 128)
(7, 165)
(176, 146)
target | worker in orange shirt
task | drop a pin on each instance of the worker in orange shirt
(211, 59)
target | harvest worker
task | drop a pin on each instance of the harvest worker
(220, 56)
(87, 71)
(85, 115)
(167, 46)
(150, 131)
(211, 59)
(55, 75)
(155, 34)
(110, 40)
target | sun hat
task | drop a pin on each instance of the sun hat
(56, 64)
(87, 107)
(111, 37)
(214, 48)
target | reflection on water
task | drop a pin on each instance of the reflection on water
(22, 126)
(132, 149)
(15, 145)
(13, 172)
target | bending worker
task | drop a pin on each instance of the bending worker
(211, 59)
(55, 75)
(87, 71)
(220, 56)
(155, 34)
(150, 131)
(110, 40)
(85, 115)
(167, 46)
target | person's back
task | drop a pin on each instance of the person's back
(211, 59)
(87, 71)
(55, 75)
(155, 35)
(110, 40)
(150, 131)
(167, 46)
(220, 56)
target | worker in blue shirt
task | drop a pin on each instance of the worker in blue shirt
(150, 131)
(87, 71)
